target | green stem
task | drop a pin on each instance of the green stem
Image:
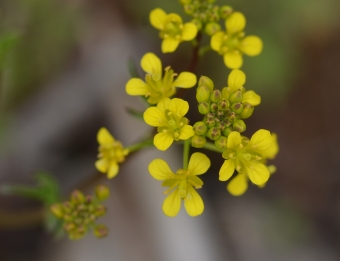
(212, 147)
(186, 149)
(140, 145)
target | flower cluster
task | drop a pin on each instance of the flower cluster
(81, 212)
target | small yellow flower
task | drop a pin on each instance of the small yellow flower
(168, 116)
(246, 157)
(173, 31)
(155, 86)
(111, 152)
(236, 80)
(232, 43)
(182, 185)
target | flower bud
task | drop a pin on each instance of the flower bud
(185, 2)
(216, 96)
(57, 210)
(239, 126)
(102, 192)
(227, 131)
(237, 107)
(210, 122)
(220, 113)
(77, 197)
(225, 11)
(198, 141)
(198, 23)
(220, 125)
(214, 133)
(189, 9)
(200, 128)
(100, 231)
(212, 28)
(206, 81)
(232, 116)
(202, 94)
(203, 108)
(221, 143)
(248, 110)
(223, 105)
(213, 107)
(100, 211)
(236, 96)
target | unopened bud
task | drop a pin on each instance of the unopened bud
(198, 141)
(213, 107)
(197, 22)
(202, 94)
(206, 81)
(101, 231)
(100, 211)
(212, 28)
(77, 197)
(189, 9)
(225, 11)
(221, 143)
(227, 131)
(102, 192)
(236, 96)
(214, 133)
(203, 108)
(200, 128)
(222, 105)
(216, 96)
(57, 210)
(232, 116)
(210, 122)
(248, 110)
(185, 2)
(239, 126)
(237, 107)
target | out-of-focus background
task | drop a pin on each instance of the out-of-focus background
(64, 78)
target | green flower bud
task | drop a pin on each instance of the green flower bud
(221, 143)
(68, 207)
(232, 116)
(220, 125)
(212, 28)
(210, 122)
(185, 2)
(248, 110)
(236, 96)
(69, 227)
(101, 231)
(189, 9)
(203, 108)
(102, 192)
(198, 141)
(227, 131)
(216, 96)
(239, 126)
(77, 197)
(206, 81)
(225, 11)
(227, 123)
(57, 210)
(213, 107)
(223, 105)
(200, 128)
(220, 113)
(100, 211)
(202, 94)
(198, 23)
(214, 133)
(237, 107)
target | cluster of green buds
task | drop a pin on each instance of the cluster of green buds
(206, 15)
(223, 111)
(81, 212)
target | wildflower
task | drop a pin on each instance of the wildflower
(172, 29)
(232, 43)
(111, 152)
(155, 86)
(168, 116)
(182, 184)
(246, 157)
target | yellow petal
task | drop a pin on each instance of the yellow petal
(235, 23)
(163, 104)
(272, 150)
(199, 163)
(104, 137)
(113, 170)
(251, 45)
(193, 202)
(151, 64)
(102, 165)
(216, 41)
(189, 31)
(158, 18)
(136, 86)
(261, 140)
(236, 80)
(154, 117)
(160, 170)
(178, 107)
(234, 140)
(233, 59)
(185, 80)
(252, 98)
(172, 204)
(175, 18)
(163, 141)
(169, 45)
(227, 170)
(186, 132)
(238, 185)
(257, 173)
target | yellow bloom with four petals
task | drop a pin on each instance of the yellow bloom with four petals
(168, 116)
(157, 87)
(182, 184)
(232, 43)
(173, 31)
(111, 152)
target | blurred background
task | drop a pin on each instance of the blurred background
(64, 65)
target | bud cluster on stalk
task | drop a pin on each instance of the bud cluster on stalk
(81, 212)
(223, 114)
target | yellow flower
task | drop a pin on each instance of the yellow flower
(236, 80)
(168, 116)
(111, 152)
(182, 185)
(246, 156)
(232, 43)
(173, 31)
(155, 86)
